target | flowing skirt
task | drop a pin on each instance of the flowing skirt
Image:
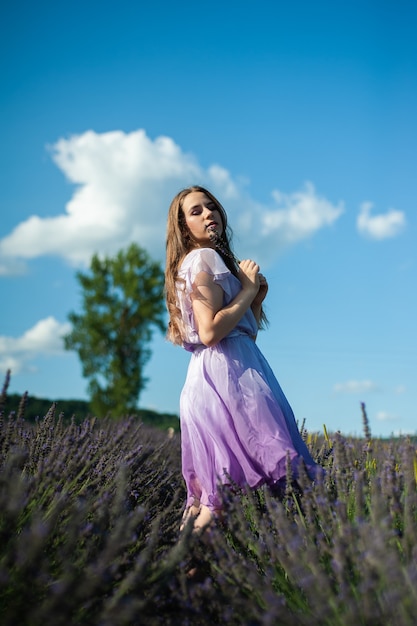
(236, 423)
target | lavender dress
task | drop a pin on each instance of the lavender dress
(235, 420)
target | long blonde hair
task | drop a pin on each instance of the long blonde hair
(178, 244)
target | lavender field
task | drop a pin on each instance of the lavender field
(89, 517)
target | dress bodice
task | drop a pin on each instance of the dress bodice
(209, 261)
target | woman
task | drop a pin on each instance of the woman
(236, 424)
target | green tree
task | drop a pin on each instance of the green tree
(122, 303)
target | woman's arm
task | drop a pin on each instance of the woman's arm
(213, 320)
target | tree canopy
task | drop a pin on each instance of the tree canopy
(122, 303)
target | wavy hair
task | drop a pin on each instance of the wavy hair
(178, 244)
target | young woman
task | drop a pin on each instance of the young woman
(236, 424)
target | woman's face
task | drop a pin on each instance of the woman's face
(202, 217)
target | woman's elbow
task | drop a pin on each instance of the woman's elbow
(209, 338)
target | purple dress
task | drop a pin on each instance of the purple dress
(235, 420)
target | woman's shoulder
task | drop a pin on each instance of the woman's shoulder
(204, 260)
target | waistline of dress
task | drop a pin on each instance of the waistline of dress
(198, 347)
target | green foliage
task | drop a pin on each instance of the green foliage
(122, 303)
(79, 410)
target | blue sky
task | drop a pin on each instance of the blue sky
(300, 117)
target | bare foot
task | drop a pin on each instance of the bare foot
(190, 512)
(203, 519)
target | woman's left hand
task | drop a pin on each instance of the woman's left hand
(263, 290)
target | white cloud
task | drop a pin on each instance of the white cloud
(355, 386)
(124, 184)
(384, 416)
(300, 214)
(10, 265)
(45, 338)
(381, 226)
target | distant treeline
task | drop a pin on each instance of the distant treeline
(37, 408)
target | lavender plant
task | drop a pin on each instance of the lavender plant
(89, 517)
(222, 246)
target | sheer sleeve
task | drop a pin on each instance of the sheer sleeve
(209, 261)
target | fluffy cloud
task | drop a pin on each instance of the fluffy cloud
(124, 183)
(384, 416)
(355, 386)
(45, 338)
(381, 226)
(297, 216)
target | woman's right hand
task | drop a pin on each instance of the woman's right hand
(249, 275)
